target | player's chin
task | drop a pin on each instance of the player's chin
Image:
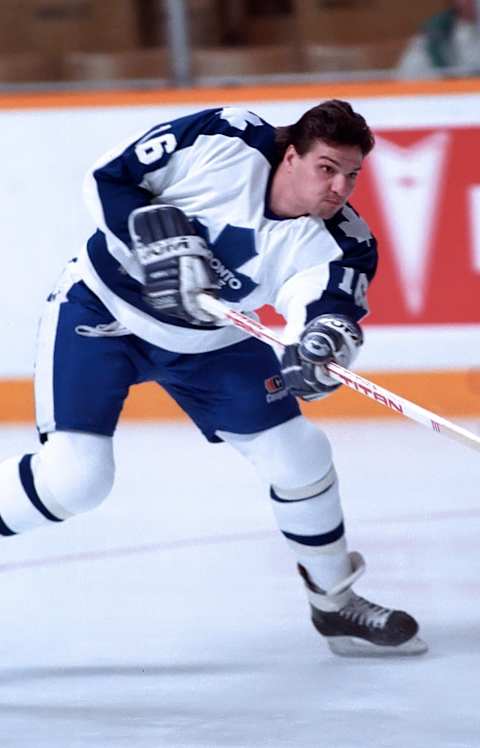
(327, 209)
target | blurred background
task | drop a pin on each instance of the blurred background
(79, 76)
(185, 42)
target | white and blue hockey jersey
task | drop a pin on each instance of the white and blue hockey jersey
(216, 166)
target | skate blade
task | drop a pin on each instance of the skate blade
(348, 646)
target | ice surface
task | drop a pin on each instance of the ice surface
(172, 615)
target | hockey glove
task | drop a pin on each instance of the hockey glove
(330, 337)
(174, 261)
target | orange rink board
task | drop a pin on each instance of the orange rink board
(202, 96)
(449, 394)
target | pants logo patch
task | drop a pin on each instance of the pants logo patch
(275, 388)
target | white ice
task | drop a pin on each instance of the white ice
(173, 616)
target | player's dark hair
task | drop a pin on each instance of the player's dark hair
(334, 122)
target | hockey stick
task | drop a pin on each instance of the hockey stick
(349, 378)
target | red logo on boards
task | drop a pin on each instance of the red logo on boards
(420, 195)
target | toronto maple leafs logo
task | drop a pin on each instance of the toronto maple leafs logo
(354, 226)
(232, 248)
(239, 118)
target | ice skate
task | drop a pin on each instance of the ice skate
(355, 627)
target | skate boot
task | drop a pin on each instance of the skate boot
(355, 627)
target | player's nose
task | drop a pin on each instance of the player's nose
(340, 185)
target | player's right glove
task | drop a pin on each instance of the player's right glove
(329, 337)
(174, 261)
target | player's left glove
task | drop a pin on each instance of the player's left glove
(330, 337)
(174, 261)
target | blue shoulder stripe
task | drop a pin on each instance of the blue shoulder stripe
(355, 239)
(158, 145)
(118, 180)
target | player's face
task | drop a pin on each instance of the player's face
(321, 181)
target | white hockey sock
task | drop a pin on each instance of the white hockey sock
(290, 455)
(293, 454)
(311, 520)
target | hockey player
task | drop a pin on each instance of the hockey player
(220, 202)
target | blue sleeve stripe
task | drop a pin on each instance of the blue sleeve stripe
(331, 304)
(359, 253)
(118, 199)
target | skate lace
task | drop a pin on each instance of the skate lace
(365, 613)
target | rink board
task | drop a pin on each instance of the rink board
(423, 335)
(451, 393)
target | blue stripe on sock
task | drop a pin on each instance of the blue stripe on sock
(26, 478)
(4, 530)
(323, 539)
(275, 496)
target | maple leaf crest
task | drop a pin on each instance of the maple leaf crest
(239, 118)
(355, 227)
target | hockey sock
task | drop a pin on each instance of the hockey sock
(311, 521)
(293, 454)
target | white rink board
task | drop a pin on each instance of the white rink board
(44, 156)
(172, 616)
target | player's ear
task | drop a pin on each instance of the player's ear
(290, 155)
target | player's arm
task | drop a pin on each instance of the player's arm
(323, 306)
(130, 176)
(134, 174)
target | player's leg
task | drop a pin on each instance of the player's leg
(80, 384)
(237, 394)
(295, 459)
(72, 472)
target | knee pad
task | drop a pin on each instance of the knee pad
(290, 456)
(73, 472)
